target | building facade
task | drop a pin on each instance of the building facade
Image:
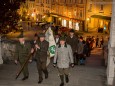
(98, 15)
(83, 15)
(67, 13)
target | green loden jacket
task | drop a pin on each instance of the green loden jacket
(22, 51)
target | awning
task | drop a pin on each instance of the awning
(101, 17)
(65, 17)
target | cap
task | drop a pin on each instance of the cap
(41, 35)
(72, 30)
(21, 35)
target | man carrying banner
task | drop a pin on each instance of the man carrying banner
(41, 56)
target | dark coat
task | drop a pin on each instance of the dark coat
(41, 54)
(22, 51)
(73, 42)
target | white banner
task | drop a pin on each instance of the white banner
(52, 44)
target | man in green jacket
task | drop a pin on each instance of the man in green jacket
(22, 50)
(41, 56)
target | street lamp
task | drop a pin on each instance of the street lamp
(87, 23)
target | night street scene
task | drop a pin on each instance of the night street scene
(57, 42)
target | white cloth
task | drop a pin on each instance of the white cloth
(57, 40)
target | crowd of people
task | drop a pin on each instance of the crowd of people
(71, 50)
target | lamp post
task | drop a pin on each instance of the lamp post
(87, 24)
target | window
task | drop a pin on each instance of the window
(90, 7)
(70, 1)
(81, 14)
(101, 8)
(81, 1)
(65, 1)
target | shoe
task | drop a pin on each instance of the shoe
(66, 78)
(25, 78)
(62, 80)
(62, 84)
(40, 81)
(46, 76)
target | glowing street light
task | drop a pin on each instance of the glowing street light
(87, 19)
(33, 15)
(43, 16)
(87, 23)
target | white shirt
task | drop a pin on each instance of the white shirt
(57, 40)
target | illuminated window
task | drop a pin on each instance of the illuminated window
(64, 23)
(77, 26)
(70, 24)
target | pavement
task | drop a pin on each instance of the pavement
(91, 74)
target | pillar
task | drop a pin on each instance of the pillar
(111, 54)
(1, 61)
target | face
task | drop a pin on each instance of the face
(57, 36)
(80, 39)
(42, 39)
(44, 31)
(21, 40)
(36, 38)
(62, 42)
(71, 34)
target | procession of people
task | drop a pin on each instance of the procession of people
(70, 50)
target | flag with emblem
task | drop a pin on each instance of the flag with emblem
(52, 44)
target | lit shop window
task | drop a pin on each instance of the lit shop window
(77, 26)
(70, 24)
(64, 23)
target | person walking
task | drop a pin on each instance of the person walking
(41, 56)
(80, 51)
(97, 41)
(72, 40)
(22, 50)
(101, 41)
(63, 58)
(57, 37)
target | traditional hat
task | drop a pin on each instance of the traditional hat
(62, 38)
(41, 35)
(35, 35)
(21, 35)
(72, 30)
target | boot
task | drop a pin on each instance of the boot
(46, 74)
(40, 80)
(26, 77)
(62, 80)
(66, 78)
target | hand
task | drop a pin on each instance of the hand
(30, 61)
(37, 46)
(54, 64)
(72, 65)
(32, 50)
(16, 62)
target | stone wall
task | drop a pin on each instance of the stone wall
(8, 50)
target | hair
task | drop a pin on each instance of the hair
(64, 45)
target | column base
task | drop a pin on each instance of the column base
(110, 81)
